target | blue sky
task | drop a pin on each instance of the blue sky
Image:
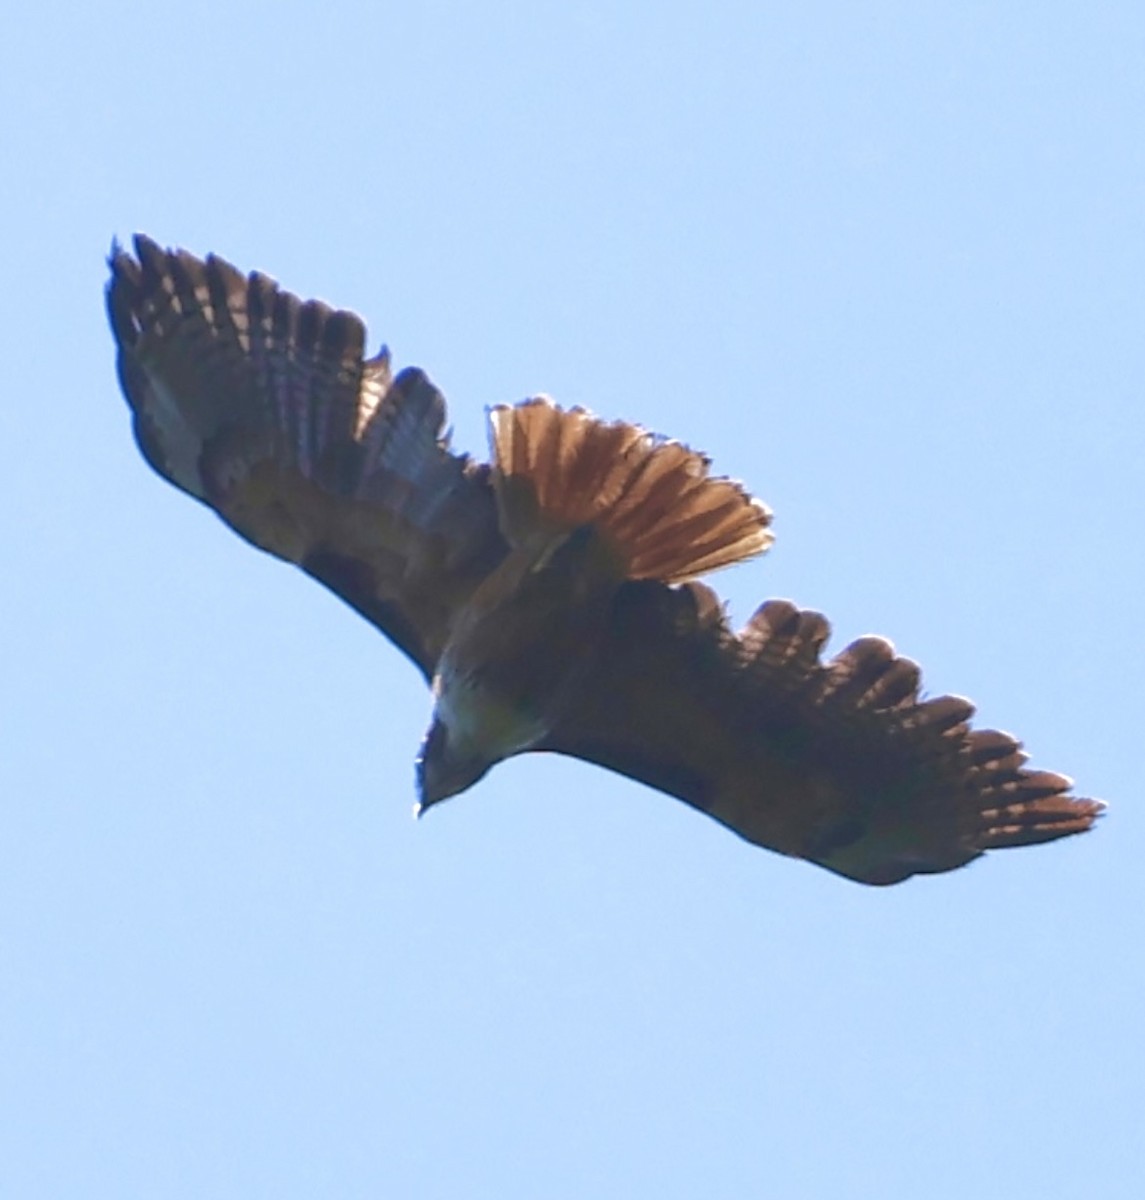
(882, 261)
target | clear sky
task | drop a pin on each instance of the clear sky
(884, 261)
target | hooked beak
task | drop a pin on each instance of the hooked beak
(444, 768)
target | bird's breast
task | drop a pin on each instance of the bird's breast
(489, 721)
(521, 649)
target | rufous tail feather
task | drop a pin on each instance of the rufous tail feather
(668, 519)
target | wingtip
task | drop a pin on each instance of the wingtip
(120, 294)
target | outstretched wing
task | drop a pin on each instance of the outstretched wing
(263, 407)
(840, 762)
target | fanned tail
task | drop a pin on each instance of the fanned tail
(654, 501)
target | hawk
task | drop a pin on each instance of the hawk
(549, 597)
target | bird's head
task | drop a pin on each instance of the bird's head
(446, 766)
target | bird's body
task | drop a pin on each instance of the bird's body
(518, 657)
(548, 598)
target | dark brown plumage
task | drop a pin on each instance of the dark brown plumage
(548, 597)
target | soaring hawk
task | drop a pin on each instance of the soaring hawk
(548, 597)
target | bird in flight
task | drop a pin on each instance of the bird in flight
(549, 597)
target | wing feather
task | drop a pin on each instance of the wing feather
(264, 407)
(840, 761)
